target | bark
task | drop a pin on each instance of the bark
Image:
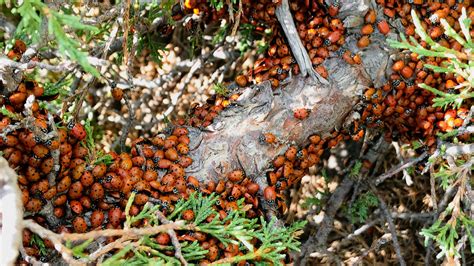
(232, 141)
(11, 214)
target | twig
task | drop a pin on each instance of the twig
(174, 239)
(29, 258)
(399, 168)
(128, 123)
(54, 153)
(67, 65)
(359, 231)
(11, 214)
(333, 205)
(108, 15)
(126, 29)
(454, 150)
(406, 175)
(391, 226)
(79, 100)
(374, 247)
(299, 52)
(126, 234)
(105, 249)
(237, 19)
(44, 233)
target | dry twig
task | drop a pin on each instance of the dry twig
(391, 226)
(174, 238)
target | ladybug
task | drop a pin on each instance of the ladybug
(291, 153)
(301, 113)
(194, 183)
(236, 176)
(47, 165)
(77, 130)
(253, 188)
(58, 212)
(396, 83)
(182, 148)
(75, 191)
(383, 26)
(97, 192)
(358, 136)
(79, 224)
(34, 205)
(333, 9)
(76, 206)
(97, 218)
(115, 216)
(188, 215)
(363, 42)
(163, 239)
(117, 94)
(87, 179)
(269, 194)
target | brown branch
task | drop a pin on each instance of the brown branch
(128, 123)
(334, 203)
(57, 240)
(11, 214)
(119, 243)
(391, 226)
(174, 239)
(231, 142)
(374, 247)
(395, 170)
(126, 235)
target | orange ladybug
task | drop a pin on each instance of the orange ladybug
(77, 130)
(383, 27)
(301, 113)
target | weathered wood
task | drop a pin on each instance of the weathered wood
(11, 214)
(232, 141)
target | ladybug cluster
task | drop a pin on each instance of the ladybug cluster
(59, 178)
(276, 64)
(400, 106)
(201, 116)
(318, 27)
(291, 166)
(55, 169)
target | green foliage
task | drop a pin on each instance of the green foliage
(69, 46)
(445, 175)
(460, 63)
(273, 240)
(152, 42)
(218, 4)
(359, 211)
(262, 46)
(36, 15)
(94, 156)
(153, 46)
(61, 87)
(416, 144)
(446, 234)
(245, 42)
(4, 111)
(39, 243)
(220, 34)
(78, 251)
(312, 201)
(220, 89)
(356, 169)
